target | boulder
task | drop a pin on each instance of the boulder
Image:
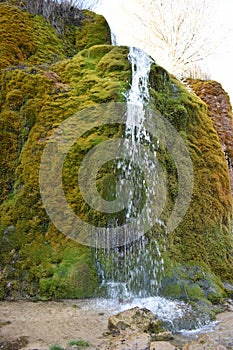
(135, 320)
(139, 341)
(163, 336)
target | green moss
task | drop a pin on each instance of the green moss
(37, 42)
(34, 101)
(2, 289)
(73, 276)
(15, 45)
(56, 347)
(35, 98)
(93, 31)
(204, 235)
(49, 45)
(192, 283)
(79, 342)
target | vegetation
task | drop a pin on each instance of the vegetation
(56, 347)
(44, 81)
(35, 98)
(173, 32)
(59, 14)
(79, 344)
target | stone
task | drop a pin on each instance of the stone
(139, 341)
(161, 345)
(204, 343)
(163, 336)
(136, 320)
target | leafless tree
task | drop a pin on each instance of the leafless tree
(197, 72)
(87, 4)
(177, 33)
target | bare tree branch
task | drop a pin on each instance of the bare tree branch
(58, 12)
(177, 33)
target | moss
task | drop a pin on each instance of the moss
(49, 46)
(93, 31)
(38, 95)
(34, 101)
(192, 283)
(73, 276)
(204, 235)
(15, 45)
(2, 289)
(86, 76)
(37, 42)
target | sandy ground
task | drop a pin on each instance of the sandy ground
(46, 323)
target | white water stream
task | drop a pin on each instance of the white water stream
(133, 273)
(135, 269)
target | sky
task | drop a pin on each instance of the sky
(219, 65)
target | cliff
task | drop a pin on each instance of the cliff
(45, 78)
(220, 111)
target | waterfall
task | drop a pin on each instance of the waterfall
(135, 269)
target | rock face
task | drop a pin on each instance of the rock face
(132, 329)
(135, 320)
(35, 82)
(45, 78)
(220, 111)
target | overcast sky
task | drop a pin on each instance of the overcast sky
(219, 65)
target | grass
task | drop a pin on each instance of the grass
(79, 343)
(56, 347)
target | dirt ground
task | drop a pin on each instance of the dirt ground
(41, 324)
(47, 323)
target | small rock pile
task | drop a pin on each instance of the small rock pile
(135, 329)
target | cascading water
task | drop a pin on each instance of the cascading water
(130, 274)
(134, 270)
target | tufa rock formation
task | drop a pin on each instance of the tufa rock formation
(45, 78)
(220, 111)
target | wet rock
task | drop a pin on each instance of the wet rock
(229, 289)
(136, 320)
(163, 336)
(132, 329)
(192, 284)
(227, 305)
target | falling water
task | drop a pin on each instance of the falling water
(135, 269)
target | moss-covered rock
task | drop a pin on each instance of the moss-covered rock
(204, 235)
(220, 111)
(94, 30)
(31, 40)
(192, 283)
(36, 259)
(40, 87)
(26, 39)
